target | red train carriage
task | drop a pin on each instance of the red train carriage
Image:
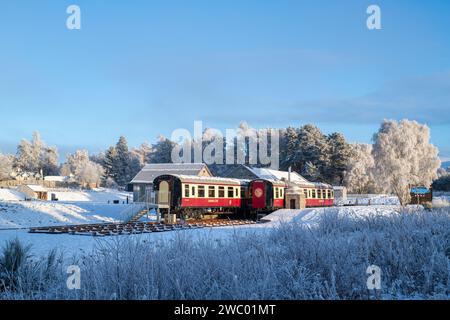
(194, 196)
(266, 194)
(318, 195)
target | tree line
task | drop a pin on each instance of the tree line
(400, 156)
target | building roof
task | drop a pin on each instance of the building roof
(36, 188)
(277, 175)
(206, 180)
(151, 171)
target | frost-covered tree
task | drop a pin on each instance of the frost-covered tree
(339, 153)
(108, 165)
(404, 157)
(162, 151)
(313, 149)
(24, 159)
(82, 169)
(289, 145)
(359, 175)
(89, 173)
(6, 166)
(311, 171)
(36, 156)
(121, 165)
(49, 164)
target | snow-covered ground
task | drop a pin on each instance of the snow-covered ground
(74, 244)
(95, 195)
(73, 207)
(11, 195)
(369, 199)
(24, 214)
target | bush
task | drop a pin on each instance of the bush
(23, 277)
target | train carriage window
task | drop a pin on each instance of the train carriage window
(211, 191)
(306, 193)
(221, 192)
(193, 191)
(201, 191)
(186, 190)
(329, 194)
(313, 194)
(236, 192)
(277, 195)
(281, 193)
(230, 192)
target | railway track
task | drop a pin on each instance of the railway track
(113, 229)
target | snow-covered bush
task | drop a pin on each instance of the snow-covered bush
(22, 276)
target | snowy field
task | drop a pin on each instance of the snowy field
(73, 207)
(76, 244)
(369, 199)
(95, 195)
(296, 254)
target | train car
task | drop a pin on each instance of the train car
(319, 195)
(194, 196)
(269, 195)
(266, 194)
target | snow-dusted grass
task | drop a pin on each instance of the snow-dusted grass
(327, 260)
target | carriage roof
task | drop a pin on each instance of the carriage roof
(207, 180)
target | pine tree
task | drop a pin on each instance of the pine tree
(339, 153)
(108, 165)
(122, 163)
(289, 146)
(162, 151)
(312, 148)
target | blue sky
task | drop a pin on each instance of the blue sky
(143, 68)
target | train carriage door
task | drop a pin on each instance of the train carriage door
(163, 194)
(258, 195)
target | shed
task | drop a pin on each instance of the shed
(33, 191)
(142, 183)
